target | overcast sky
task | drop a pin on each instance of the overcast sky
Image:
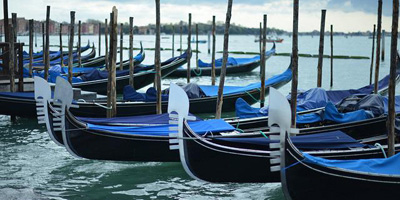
(345, 15)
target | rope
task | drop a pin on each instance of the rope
(197, 74)
(256, 100)
(380, 147)
(262, 133)
(294, 164)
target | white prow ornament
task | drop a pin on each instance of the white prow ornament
(178, 102)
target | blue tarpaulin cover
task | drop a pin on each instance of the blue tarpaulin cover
(310, 99)
(155, 119)
(235, 61)
(389, 166)
(130, 94)
(199, 127)
(210, 90)
(327, 140)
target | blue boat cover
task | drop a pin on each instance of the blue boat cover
(388, 166)
(236, 61)
(130, 94)
(210, 90)
(155, 119)
(199, 127)
(311, 99)
(320, 141)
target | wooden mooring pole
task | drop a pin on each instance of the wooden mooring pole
(15, 25)
(378, 46)
(189, 50)
(157, 58)
(61, 46)
(44, 42)
(321, 48)
(372, 56)
(121, 48)
(20, 67)
(224, 61)
(213, 52)
(30, 46)
(331, 56)
(209, 42)
(99, 48)
(47, 49)
(262, 64)
(260, 40)
(131, 64)
(79, 43)
(295, 59)
(112, 93)
(5, 21)
(180, 38)
(11, 58)
(70, 46)
(197, 46)
(106, 43)
(392, 80)
(173, 41)
(383, 45)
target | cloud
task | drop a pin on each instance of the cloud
(346, 15)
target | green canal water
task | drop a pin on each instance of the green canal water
(33, 167)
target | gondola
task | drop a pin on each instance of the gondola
(100, 61)
(141, 79)
(92, 54)
(40, 54)
(23, 103)
(219, 157)
(234, 66)
(104, 141)
(307, 176)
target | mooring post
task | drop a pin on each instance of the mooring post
(11, 58)
(262, 64)
(392, 80)
(1, 35)
(70, 46)
(372, 56)
(15, 25)
(197, 46)
(180, 38)
(106, 43)
(157, 58)
(61, 46)
(35, 30)
(5, 21)
(121, 48)
(79, 43)
(383, 45)
(208, 42)
(47, 49)
(213, 52)
(260, 41)
(173, 41)
(295, 59)
(20, 67)
(44, 42)
(331, 55)
(224, 62)
(30, 46)
(378, 46)
(189, 48)
(99, 39)
(112, 93)
(321, 48)
(131, 64)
